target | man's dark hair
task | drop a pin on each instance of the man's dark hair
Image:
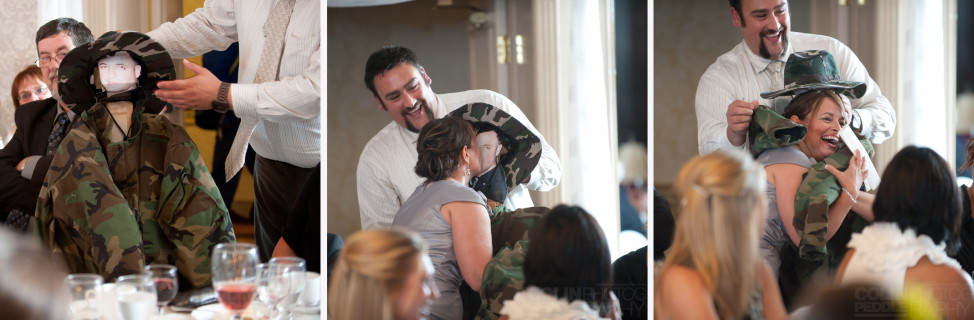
(384, 60)
(439, 146)
(919, 192)
(79, 33)
(736, 4)
(568, 257)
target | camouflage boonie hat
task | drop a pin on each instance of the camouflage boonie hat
(815, 70)
(75, 84)
(522, 147)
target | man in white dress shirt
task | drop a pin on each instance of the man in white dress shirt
(385, 175)
(278, 101)
(729, 90)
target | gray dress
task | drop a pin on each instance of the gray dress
(775, 237)
(421, 214)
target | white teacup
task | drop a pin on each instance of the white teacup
(311, 295)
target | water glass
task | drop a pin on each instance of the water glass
(84, 291)
(166, 282)
(272, 286)
(293, 269)
(136, 295)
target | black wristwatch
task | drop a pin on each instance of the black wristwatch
(856, 123)
(221, 104)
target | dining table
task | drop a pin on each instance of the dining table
(108, 305)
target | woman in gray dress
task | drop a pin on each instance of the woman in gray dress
(451, 217)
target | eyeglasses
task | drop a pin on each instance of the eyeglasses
(35, 91)
(45, 61)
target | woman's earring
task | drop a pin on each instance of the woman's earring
(467, 170)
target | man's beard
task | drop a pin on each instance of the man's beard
(409, 124)
(763, 50)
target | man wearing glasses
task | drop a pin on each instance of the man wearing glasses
(40, 126)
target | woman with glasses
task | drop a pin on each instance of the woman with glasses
(29, 86)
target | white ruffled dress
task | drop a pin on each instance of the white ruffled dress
(533, 303)
(884, 252)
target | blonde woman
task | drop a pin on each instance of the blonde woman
(382, 274)
(714, 269)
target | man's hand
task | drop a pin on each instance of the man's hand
(846, 108)
(20, 166)
(197, 92)
(738, 119)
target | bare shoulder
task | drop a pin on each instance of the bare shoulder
(928, 272)
(950, 287)
(683, 295)
(681, 276)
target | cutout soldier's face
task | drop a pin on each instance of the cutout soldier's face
(119, 73)
(490, 148)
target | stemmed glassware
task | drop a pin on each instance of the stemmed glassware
(234, 274)
(273, 285)
(292, 269)
(136, 294)
(84, 293)
(167, 284)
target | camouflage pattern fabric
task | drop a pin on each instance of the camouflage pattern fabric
(75, 84)
(811, 70)
(503, 278)
(818, 189)
(507, 228)
(112, 208)
(770, 130)
(522, 148)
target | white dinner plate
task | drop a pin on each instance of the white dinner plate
(210, 312)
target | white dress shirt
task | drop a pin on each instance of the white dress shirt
(740, 74)
(287, 111)
(386, 177)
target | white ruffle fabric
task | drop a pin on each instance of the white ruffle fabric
(533, 303)
(884, 252)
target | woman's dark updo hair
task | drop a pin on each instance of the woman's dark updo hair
(919, 192)
(569, 258)
(439, 146)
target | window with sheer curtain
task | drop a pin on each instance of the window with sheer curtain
(577, 97)
(48, 10)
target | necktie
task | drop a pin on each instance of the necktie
(777, 83)
(275, 29)
(61, 124)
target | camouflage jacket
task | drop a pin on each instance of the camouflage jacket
(503, 276)
(818, 189)
(111, 208)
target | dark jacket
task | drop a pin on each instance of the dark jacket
(34, 121)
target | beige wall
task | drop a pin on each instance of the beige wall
(18, 50)
(439, 38)
(688, 36)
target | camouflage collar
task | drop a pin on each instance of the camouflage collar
(522, 147)
(75, 83)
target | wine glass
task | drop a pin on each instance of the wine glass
(136, 295)
(272, 286)
(84, 292)
(234, 274)
(292, 269)
(167, 284)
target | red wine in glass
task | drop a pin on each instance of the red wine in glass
(165, 290)
(236, 296)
